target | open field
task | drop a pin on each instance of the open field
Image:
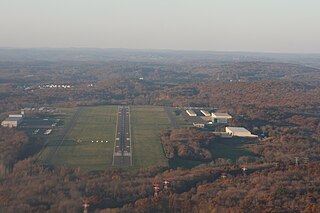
(229, 148)
(52, 141)
(146, 124)
(99, 123)
(179, 162)
(77, 150)
(232, 148)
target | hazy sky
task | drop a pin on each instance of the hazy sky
(219, 25)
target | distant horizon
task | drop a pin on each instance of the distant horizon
(159, 49)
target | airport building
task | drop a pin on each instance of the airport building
(205, 113)
(16, 116)
(191, 113)
(199, 125)
(220, 118)
(12, 121)
(239, 132)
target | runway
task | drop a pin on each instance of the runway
(122, 155)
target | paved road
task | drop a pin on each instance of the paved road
(122, 155)
(172, 117)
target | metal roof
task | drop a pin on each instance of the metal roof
(221, 115)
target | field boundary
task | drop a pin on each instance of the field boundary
(130, 136)
(115, 136)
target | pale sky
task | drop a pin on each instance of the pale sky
(218, 25)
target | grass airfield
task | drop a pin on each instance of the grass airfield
(78, 150)
(89, 144)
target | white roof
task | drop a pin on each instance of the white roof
(238, 129)
(15, 116)
(221, 115)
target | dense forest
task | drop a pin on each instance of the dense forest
(264, 188)
(187, 144)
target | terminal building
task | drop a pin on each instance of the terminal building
(220, 118)
(239, 132)
(12, 121)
